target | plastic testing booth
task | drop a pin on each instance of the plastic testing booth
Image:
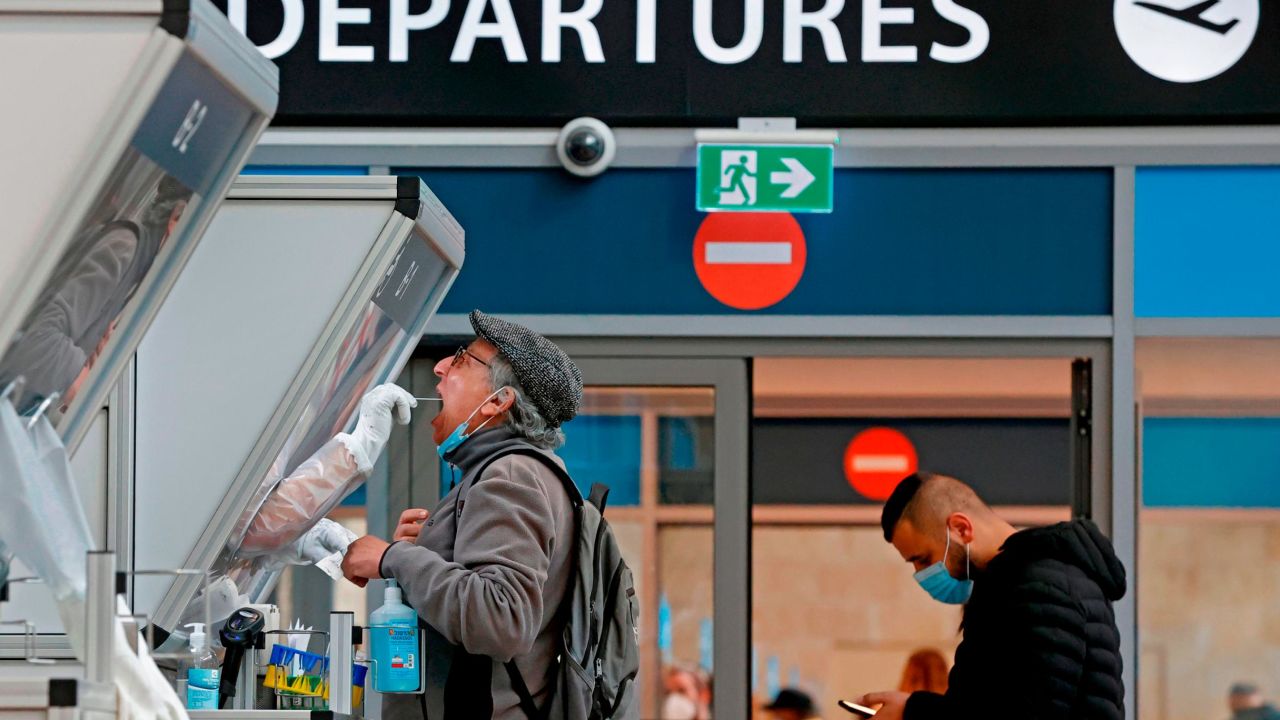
(109, 188)
(125, 123)
(307, 293)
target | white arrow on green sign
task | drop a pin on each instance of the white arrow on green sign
(765, 178)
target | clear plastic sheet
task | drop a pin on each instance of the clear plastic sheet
(41, 520)
(314, 469)
(79, 308)
(313, 472)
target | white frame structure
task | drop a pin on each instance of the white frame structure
(413, 212)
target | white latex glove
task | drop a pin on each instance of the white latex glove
(321, 541)
(322, 546)
(374, 427)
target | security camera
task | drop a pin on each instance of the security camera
(586, 147)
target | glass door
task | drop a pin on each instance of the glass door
(835, 611)
(668, 437)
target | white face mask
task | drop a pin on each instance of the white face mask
(679, 707)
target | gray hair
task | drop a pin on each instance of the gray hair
(523, 417)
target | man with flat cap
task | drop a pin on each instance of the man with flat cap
(488, 568)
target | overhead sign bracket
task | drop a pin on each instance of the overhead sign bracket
(757, 130)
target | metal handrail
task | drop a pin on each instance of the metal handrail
(146, 619)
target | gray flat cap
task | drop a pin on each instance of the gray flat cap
(550, 379)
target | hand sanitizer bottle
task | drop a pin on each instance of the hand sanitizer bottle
(203, 675)
(394, 634)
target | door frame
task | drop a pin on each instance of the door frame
(687, 361)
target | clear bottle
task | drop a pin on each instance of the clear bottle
(202, 671)
(394, 640)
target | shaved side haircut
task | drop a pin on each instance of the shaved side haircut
(927, 499)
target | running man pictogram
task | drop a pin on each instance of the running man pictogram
(738, 177)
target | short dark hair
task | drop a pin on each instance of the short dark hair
(926, 499)
(898, 501)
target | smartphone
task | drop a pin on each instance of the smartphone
(859, 710)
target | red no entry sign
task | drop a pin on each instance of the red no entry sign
(877, 460)
(749, 261)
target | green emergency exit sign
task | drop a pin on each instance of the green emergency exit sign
(765, 178)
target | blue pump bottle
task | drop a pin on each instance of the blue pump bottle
(397, 667)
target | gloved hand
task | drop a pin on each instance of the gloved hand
(321, 541)
(374, 427)
(322, 546)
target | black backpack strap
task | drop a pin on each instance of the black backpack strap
(570, 487)
(599, 496)
(527, 703)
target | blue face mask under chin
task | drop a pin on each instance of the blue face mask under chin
(460, 434)
(937, 581)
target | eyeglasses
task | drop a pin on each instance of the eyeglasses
(461, 354)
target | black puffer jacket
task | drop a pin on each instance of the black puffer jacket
(1040, 637)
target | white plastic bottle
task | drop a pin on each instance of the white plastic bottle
(203, 673)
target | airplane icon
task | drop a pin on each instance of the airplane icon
(1193, 15)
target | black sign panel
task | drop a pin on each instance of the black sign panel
(408, 283)
(194, 124)
(827, 62)
(1008, 461)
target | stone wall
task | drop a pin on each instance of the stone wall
(836, 606)
(1209, 611)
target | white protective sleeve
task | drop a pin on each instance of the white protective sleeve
(299, 501)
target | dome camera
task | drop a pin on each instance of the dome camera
(586, 147)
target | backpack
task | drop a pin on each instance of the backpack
(600, 643)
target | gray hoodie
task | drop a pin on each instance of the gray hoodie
(494, 591)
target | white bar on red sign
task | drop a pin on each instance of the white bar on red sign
(748, 253)
(881, 463)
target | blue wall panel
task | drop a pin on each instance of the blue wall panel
(1207, 242)
(604, 449)
(900, 242)
(1211, 462)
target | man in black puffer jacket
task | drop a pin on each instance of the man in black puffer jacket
(1040, 638)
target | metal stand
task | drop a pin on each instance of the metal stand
(341, 655)
(100, 616)
(247, 683)
(93, 698)
(30, 652)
